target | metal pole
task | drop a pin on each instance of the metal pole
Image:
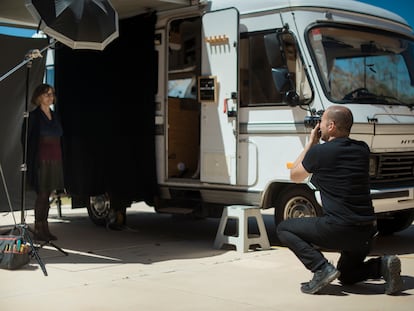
(23, 167)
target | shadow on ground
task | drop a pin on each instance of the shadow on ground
(399, 243)
(153, 237)
(148, 238)
(374, 287)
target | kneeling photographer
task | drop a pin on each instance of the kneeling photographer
(340, 169)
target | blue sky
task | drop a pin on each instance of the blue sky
(16, 31)
(403, 8)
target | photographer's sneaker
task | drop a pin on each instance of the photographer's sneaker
(320, 279)
(390, 270)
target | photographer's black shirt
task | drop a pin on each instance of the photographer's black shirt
(340, 170)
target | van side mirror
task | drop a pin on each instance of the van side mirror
(292, 98)
(283, 81)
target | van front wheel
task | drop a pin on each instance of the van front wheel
(296, 203)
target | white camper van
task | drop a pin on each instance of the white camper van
(240, 85)
(242, 82)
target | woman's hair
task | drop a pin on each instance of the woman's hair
(39, 91)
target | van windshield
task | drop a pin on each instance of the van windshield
(363, 66)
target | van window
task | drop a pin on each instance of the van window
(270, 67)
(363, 65)
(184, 57)
(184, 42)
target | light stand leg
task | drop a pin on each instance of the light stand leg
(55, 246)
(24, 228)
(43, 243)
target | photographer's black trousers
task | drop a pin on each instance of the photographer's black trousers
(305, 236)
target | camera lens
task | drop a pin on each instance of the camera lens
(311, 121)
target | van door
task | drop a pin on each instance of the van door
(218, 138)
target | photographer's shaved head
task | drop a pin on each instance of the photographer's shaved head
(342, 117)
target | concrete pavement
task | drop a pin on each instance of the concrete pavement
(165, 262)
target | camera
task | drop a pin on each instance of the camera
(312, 120)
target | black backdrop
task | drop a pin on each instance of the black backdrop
(12, 106)
(106, 103)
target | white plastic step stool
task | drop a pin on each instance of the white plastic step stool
(243, 240)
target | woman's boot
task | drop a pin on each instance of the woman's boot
(41, 214)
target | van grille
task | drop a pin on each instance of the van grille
(391, 167)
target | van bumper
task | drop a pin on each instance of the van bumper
(387, 200)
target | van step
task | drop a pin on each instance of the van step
(175, 210)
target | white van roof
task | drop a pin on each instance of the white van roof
(249, 6)
(14, 12)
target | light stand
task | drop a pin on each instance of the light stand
(30, 56)
(23, 168)
(23, 227)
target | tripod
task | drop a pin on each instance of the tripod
(23, 227)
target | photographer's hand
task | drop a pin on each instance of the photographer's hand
(297, 171)
(315, 135)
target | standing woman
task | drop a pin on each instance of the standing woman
(44, 156)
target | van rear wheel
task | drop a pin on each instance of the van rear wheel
(296, 202)
(98, 209)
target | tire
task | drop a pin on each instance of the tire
(98, 209)
(296, 202)
(395, 222)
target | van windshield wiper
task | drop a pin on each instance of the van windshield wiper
(363, 95)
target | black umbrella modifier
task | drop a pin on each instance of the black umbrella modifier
(79, 24)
